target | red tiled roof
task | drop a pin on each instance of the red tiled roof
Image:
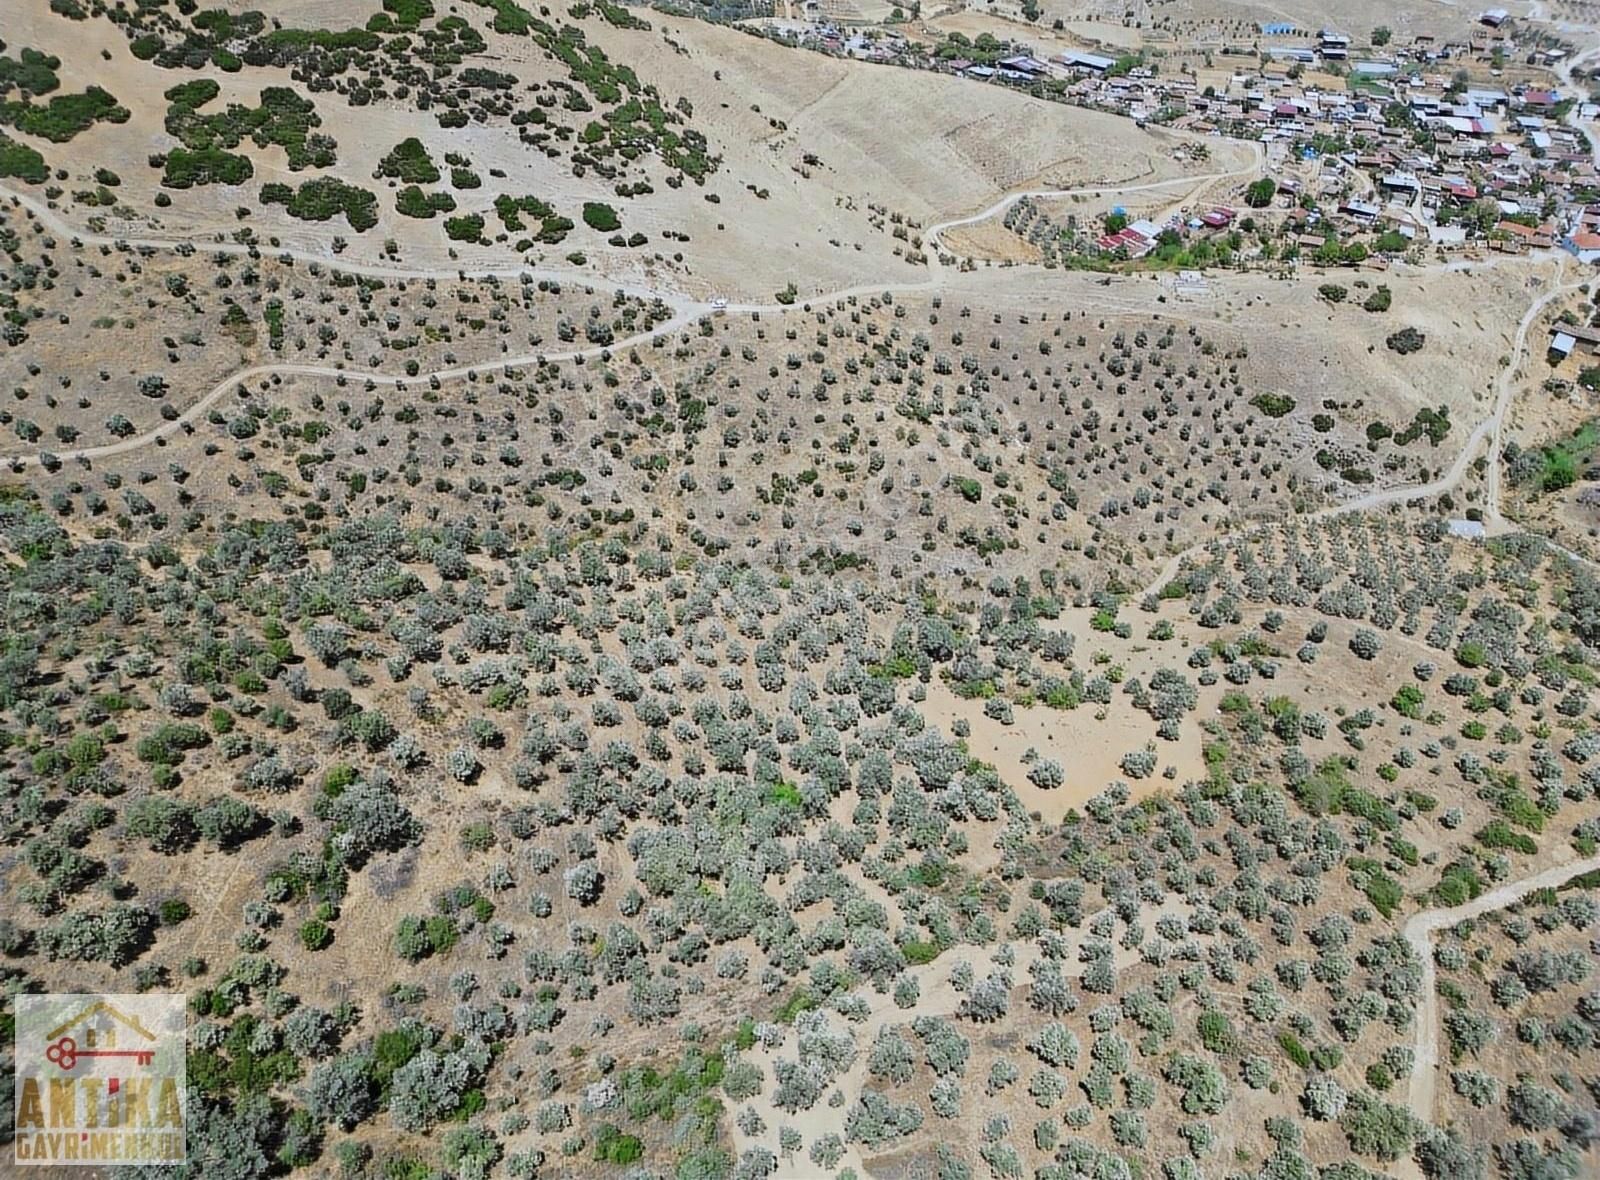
(1130, 238)
(1516, 229)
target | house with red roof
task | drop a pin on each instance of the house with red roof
(1583, 245)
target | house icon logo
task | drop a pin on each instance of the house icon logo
(99, 1039)
(100, 1079)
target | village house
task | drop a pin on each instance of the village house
(1583, 245)
(1333, 46)
(1516, 237)
(1429, 148)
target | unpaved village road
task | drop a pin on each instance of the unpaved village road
(1419, 931)
(685, 310)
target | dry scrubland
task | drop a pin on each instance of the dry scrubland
(932, 147)
(910, 434)
(1517, 1071)
(784, 838)
(168, 329)
(1551, 436)
(698, 756)
(551, 733)
(823, 169)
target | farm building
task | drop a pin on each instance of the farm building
(1094, 63)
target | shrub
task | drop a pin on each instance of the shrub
(167, 824)
(168, 743)
(1204, 1090)
(411, 201)
(1497, 834)
(1405, 341)
(552, 228)
(1273, 405)
(1294, 1050)
(1323, 1098)
(1408, 701)
(470, 1151)
(408, 161)
(1534, 1108)
(64, 116)
(430, 1087)
(343, 1091)
(417, 938)
(1377, 1129)
(1259, 194)
(1382, 890)
(599, 216)
(227, 822)
(464, 229)
(114, 936)
(1216, 1032)
(324, 198)
(1055, 1045)
(1365, 644)
(20, 162)
(1468, 1032)
(31, 73)
(612, 1146)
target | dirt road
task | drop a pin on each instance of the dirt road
(1491, 428)
(686, 309)
(1419, 931)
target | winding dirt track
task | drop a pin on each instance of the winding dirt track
(1419, 932)
(1490, 428)
(685, 309)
